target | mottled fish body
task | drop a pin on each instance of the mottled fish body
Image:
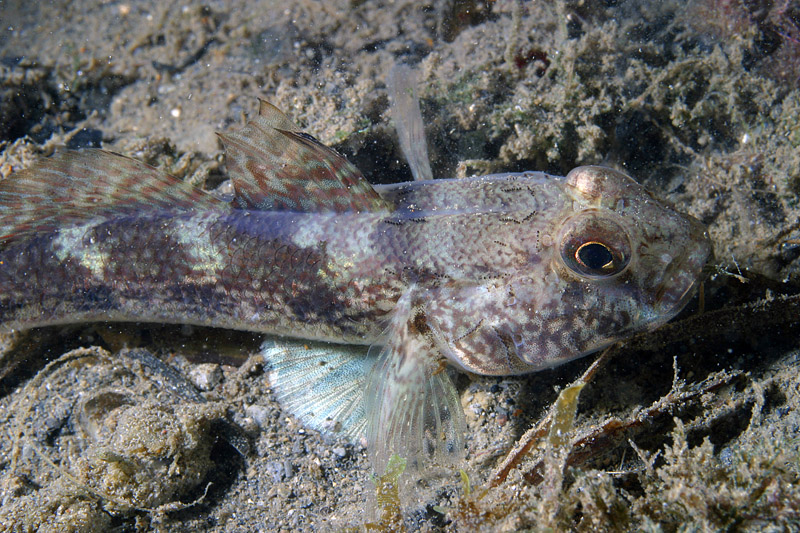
(364, 290)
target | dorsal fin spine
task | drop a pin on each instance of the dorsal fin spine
(276, 167)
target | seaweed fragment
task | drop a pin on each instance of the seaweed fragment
(557, 420)
(387, 497)
(558, 425)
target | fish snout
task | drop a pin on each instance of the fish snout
(683, 273)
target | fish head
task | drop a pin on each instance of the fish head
(612, 262)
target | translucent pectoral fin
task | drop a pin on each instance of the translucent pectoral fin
(322, 384)
(413, 409)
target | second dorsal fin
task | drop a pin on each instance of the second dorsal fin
(276, 167)
(74, 186)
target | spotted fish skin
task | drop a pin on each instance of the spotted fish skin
(500, 274)
(477, 251)
(231, 269)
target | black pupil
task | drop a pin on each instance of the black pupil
(594, 255)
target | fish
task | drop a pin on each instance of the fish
(366, 294)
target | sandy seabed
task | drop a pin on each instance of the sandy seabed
(694, 425)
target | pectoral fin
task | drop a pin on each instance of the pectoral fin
(397, 395)
(322, 384)
(413, 409)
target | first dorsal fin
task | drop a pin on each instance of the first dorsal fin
(75, 186)
(276, 167)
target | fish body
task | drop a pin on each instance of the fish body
(365, 291)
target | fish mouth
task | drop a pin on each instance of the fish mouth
(684, 274)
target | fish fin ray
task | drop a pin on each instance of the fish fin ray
(74, 186)
(322, 384)
(274, 117)
(413, 409)
(275, 166)
(402, 86)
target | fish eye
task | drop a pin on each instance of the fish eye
(595, 256)
(595, 246)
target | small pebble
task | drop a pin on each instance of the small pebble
(259, 413)
(206, 376)
(502, 418)
(277, 470)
